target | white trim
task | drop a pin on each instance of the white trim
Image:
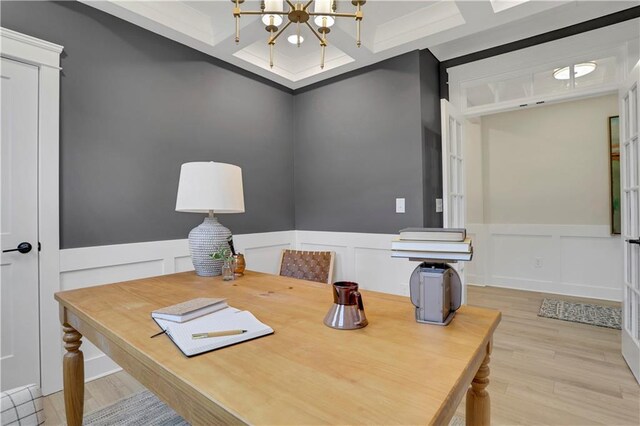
(532, 102)
(588, 46)
(46, 56)
(29, 49)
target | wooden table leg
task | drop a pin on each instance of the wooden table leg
(73, 376)
(478, 402)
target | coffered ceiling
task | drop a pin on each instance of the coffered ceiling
(449, 28)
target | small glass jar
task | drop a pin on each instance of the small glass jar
(240, 264)
(228, 269)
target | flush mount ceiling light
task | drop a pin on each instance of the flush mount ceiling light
(579, 70)
(324, 14)
(295, 39)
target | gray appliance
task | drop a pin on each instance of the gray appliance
(436, 292)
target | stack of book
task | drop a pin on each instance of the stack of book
(444, 244)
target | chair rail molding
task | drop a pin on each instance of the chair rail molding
(46, 57)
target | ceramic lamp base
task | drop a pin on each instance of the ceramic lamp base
(204, 240)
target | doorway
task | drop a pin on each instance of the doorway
(31, 343)
(539, 199)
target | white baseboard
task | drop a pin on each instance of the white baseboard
(99, 366)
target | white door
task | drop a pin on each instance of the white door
(453, 191)
(453, 201)
(20, 350)
(630, 162)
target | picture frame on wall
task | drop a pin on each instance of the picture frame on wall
(614, 175)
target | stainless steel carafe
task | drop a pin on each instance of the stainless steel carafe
(347, 311)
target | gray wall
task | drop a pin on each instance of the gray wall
(358, 146)
(431, 135)
(134, 106)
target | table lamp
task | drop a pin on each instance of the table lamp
(209, 187)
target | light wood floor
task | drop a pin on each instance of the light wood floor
(543, 371)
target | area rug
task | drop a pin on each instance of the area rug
(145, 409)
(585, 313)
(140, 409)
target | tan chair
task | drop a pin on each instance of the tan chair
(307, 265)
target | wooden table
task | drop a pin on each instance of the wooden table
(394, 371)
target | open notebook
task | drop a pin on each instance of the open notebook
(226, 319)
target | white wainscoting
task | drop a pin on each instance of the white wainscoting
(90, 266)
(363, 258)
(575, 260)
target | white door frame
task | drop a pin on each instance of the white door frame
(45, 56)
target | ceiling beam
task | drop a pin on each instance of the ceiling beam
(473, 11)
(347, 43)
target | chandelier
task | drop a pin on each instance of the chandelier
(324, 14)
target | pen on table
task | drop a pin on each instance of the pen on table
(158, 334)
(217, 334)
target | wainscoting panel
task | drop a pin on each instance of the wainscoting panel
(576, 260)
(183, 264)
(513, 256)
(363, 258)
(340, 265)
(376, 270)
(70, 280)
(591, 261)
(264, 259)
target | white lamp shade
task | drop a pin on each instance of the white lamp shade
(206, 186)
(323, 6)
(273, 6)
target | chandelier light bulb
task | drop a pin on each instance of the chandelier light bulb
(293, 39)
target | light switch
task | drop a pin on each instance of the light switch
(399, 205)
(438, 205)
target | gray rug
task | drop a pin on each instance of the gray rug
(145, 409)
(140, 409)
(585, 313)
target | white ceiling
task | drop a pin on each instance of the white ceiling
(449, 28)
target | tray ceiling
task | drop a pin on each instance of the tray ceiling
(449, 28)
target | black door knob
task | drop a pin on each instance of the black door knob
(636, 241)
(23, 248)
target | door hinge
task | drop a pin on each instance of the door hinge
(39, 246)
